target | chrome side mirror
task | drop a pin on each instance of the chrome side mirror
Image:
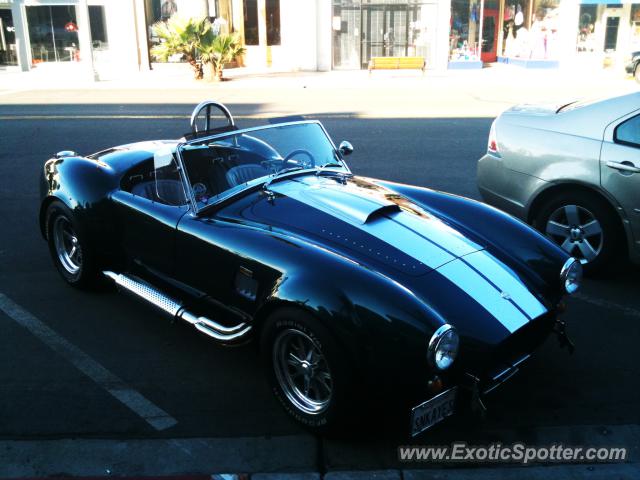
(345, 148)
(65, 153)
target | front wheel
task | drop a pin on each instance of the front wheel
(582, 226)
(306, 369)
(69, 248)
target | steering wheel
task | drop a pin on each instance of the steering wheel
(299, 151)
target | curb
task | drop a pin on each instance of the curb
(557, 472)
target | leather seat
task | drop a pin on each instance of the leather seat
(169, 192)
(245, 173)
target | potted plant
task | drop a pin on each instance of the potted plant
(218, 50)
(181, 36)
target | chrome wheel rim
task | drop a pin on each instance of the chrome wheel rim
(302, 371)
(67, 245)
(577, 231)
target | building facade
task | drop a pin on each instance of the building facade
(112, 38)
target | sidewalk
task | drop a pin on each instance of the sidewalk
(297, 457)
(393, 94)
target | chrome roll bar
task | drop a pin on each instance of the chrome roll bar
(206, 105)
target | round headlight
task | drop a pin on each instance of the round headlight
(443, 347)
(571, 275)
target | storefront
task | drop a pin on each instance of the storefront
(608, 31)
(363, 29)
(461, 34)
(95, 38)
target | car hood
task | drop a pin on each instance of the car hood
(447, 269)
(367, 223)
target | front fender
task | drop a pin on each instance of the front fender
(510, 239)
(383, 325)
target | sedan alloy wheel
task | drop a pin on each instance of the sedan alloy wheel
(577, 231)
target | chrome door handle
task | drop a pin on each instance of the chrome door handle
(625, 167)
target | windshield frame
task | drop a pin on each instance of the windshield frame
(258, 182)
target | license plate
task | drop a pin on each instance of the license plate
(433, 411)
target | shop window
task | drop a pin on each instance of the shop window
(273, 22)
(586, 27)
(532, 37)
(251, 34)
(8, 54)
(53, 33)
(98, 27)
(465, 29)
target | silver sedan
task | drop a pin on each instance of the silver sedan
(572, 171)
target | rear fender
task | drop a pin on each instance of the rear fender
(84, 186)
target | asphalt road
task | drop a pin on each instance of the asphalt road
(215, 392)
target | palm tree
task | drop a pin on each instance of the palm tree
(183, 36)
(218, 50)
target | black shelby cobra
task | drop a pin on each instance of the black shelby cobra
(345, 283)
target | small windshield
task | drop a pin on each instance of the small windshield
(229, 163)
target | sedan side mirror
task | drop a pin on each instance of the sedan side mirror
(345, 148)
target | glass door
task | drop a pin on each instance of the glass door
(385, 31)
(611, 33)
(490, 26)
(346, 36)
(53, 33)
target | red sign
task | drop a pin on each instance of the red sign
(71, 27)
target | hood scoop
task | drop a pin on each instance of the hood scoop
(352, 204)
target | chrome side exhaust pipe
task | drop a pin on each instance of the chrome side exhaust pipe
(175, 309)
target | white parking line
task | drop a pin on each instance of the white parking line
(132, 399)
(626, 310)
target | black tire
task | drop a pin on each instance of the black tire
(86, 273)
(331, 419)
(636, 72)
(587, 204)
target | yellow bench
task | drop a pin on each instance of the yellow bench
(397, 63)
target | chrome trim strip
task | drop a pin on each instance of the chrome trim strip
(512, 372)
(522, 360)
(174, 308)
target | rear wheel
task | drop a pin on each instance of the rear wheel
(583, 226)
(306, 369)
(69, 248)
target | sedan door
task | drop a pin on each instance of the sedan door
(620, 167)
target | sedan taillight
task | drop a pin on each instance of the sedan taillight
(492, 145)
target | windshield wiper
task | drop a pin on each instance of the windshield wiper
(279, 173)
(322, 170)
